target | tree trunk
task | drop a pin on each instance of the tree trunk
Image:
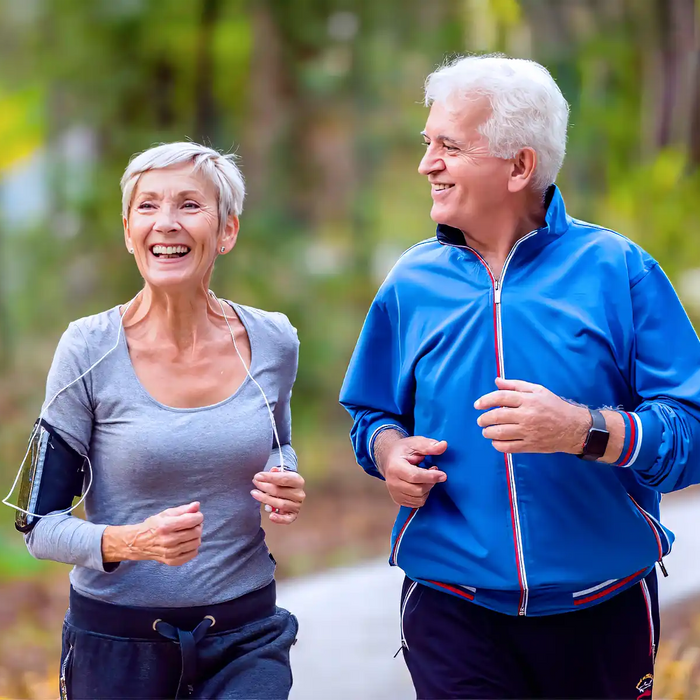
(668, 73)
(205, 126)
(694, 124)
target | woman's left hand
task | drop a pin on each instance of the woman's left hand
(282, 491)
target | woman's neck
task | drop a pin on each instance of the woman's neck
(182, 320)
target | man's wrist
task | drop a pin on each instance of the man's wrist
(384, 441)
(615, 425)
(581, 424)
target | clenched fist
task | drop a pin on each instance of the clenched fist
(525, 417)
(282, 492)
(171, 537)
(397, 459)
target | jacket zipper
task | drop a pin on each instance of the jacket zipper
(652, 632)
(404, 643)
(399, 538)
(508, 458)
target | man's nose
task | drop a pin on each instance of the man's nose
(429, 163)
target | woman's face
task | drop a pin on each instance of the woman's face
(173, 228)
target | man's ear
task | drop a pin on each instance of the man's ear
(523, 169)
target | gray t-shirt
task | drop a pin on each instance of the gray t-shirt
(147, 457)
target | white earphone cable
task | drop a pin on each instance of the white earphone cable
(247, 370)
(37, 428)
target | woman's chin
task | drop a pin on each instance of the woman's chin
(172, 280)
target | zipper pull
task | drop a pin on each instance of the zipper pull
(497, 292)
(663, 568)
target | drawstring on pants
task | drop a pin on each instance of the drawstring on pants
(188, 648)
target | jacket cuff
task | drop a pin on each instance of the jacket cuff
(378, 430)
(643, 433)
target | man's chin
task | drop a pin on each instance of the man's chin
(440, 216)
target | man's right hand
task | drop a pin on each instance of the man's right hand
(171, 537)
(397, 459)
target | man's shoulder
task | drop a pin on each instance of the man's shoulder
(426, 246)
(422, 253)
(611, 246)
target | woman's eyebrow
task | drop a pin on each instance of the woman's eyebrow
(184, 193)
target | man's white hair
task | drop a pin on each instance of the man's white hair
(220, 170)
(528, 109)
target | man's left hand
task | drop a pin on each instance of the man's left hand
(525, 417)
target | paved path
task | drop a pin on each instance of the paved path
(350, 620)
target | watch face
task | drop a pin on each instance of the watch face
(597, 442)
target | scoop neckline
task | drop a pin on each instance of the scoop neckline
(194, 409)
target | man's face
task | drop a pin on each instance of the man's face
(466, 182)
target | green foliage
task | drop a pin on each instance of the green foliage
(322, 101)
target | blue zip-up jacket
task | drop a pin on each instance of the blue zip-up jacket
(584, 312)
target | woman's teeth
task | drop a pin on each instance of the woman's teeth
(171, 251)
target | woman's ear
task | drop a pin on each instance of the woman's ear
(228, 237)
(127, 236)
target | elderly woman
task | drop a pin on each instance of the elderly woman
(181, 402)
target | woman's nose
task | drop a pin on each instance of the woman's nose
(166, 220)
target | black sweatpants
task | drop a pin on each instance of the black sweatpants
(457, 649)
(236, 650)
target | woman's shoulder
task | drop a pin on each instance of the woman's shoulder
(273, 322)
(97, 325)
(93, 331)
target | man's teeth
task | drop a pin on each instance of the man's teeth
(170, 249)
(442, 187)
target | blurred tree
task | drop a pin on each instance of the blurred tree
(321, 100)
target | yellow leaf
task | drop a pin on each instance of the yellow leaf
(506, 11)
(21, 125)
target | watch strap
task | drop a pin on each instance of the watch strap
(597, 439)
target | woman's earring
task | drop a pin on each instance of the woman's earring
(223, 249)
(131, 250)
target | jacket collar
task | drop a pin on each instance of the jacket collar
(556, 220)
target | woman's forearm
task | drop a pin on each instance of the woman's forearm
(67, 539)
(116, 541)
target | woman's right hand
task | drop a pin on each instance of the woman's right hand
(171, 537)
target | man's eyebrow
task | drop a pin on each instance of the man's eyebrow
(442, 137)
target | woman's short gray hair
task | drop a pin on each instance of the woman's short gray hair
(528, 108)
(221, 170)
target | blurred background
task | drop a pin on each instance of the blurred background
(321, 99)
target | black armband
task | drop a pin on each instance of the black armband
(52, 476)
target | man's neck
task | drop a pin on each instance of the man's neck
(496, 236)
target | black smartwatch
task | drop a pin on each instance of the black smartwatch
(597, 440)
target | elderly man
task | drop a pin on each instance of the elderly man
(529, 523)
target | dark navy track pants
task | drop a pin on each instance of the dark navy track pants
(238, 650)
(456, 649)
